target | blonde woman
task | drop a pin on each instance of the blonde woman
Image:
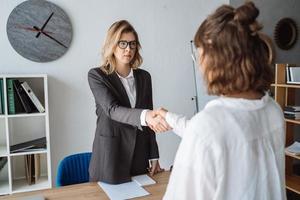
(123, 144)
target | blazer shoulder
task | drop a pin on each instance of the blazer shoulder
(96, 73)
(143, 73)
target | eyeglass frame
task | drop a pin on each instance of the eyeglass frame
(128, 43)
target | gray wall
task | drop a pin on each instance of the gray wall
(271, 11)
(165, 28)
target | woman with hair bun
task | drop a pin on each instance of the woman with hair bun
(234, 148)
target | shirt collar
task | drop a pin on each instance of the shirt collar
(130, 75)
(240, 103)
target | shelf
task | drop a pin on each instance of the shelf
(291, 155)
(292, 183)
(4, 187)
(25, 127)
(295, 121)
(24, 76)
(4, 182)
(29, 153)
(286, 85)
(22, 186)
(3, 151)
(27, 115)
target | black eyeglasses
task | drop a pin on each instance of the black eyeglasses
(123, 44)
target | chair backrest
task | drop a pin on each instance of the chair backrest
(73, 169)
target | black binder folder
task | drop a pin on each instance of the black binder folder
(31, 145)
(26, 102)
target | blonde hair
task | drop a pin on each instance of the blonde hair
(114, 34)
(237, 56)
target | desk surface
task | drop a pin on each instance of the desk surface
(92, 191)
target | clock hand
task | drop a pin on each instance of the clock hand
(31, 29)
(37, 35)
(49, 36)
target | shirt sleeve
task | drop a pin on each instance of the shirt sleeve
(143, 117)
(177, 122)
(198, 166)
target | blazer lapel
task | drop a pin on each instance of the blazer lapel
(138, 86)
(116, 82)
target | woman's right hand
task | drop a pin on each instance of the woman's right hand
(155, 119)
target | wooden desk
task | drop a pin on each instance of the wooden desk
(92, 191)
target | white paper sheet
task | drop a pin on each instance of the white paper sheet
(36, 197)
(123, 191)
(294, 148)
(143, 180)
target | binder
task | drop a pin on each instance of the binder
(292, 108)
(29, 168)
(33, 97)
(1, 112)
(32, 168)
(26, 102)
(293, 75)
(10, 97)
(37, 167)
(26, 163)
(14, 104)
(39, 143)
(1, 97)
(3, 161)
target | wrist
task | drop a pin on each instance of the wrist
(147, 117)
(143, 117)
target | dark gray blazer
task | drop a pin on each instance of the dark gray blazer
(122, 147)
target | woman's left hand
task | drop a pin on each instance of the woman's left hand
(155, 167)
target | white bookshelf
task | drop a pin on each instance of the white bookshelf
(20, 185)
(3, 151)
(4, 187)
(23, 127)
(4, 182)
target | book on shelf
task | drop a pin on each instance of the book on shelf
(3, 161)
(33, 97)
(294, 149)
(28, 169)
(37, 167)
(292, 108)
(288, 74)
(293, 75)
(291, 115)
(14, 104)
(32, 145)
(32, 168)
(1, 97)
(25, 100)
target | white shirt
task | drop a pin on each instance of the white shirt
(231, 150)
(129, 85)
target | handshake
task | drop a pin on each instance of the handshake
(156, 120)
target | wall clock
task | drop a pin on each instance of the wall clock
(286, 33)
(39, 30)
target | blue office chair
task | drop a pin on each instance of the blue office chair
(73, 169)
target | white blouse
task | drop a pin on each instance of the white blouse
(129, 84)
(232, 150)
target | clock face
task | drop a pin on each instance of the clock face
(39, 30)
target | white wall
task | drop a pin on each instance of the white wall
(271, 11)
(165, 28)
